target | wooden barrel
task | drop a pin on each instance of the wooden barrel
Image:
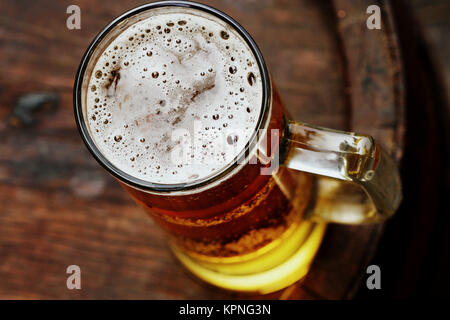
(60, 208)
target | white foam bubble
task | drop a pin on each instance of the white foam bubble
(174, 80)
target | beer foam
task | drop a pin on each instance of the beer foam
(175, 97)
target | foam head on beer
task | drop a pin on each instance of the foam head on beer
(174, 97)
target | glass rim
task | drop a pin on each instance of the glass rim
(160, 187)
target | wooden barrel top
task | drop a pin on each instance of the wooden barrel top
(58, 207)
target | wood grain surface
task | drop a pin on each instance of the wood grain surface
(58, 207)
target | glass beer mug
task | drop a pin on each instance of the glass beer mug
(252, 223)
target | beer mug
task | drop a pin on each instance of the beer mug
(174, 99)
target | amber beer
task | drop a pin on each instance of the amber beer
(244, 211)
(178, 78)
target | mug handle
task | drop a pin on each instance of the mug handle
(356, 180)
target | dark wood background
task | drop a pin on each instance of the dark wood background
(58, 207)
